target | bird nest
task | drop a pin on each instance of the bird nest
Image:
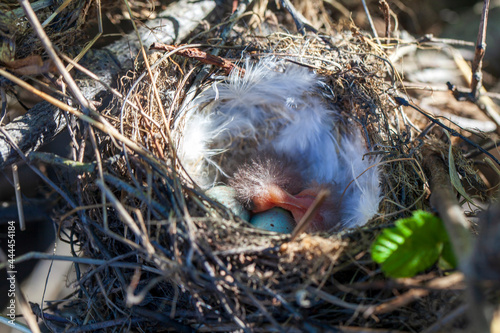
(167, 256)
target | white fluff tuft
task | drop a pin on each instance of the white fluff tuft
(262, 97)
(194, 149)
(362, 198)
(265, 83)
(307, 139)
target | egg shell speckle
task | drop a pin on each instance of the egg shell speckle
(275, 219)
(227, 196)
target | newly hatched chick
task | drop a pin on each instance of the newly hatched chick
(270, 182)
(270, 135)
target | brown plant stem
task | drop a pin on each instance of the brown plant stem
(477, 64)
(444, 201)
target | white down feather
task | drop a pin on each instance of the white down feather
(276, 106)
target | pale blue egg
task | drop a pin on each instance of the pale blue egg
(275, 219)
(227, 196)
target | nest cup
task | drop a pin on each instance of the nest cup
(202, 268)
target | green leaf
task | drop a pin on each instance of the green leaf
(413, 245)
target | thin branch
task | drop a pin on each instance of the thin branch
(310, 213)
(19, 199)
(443, 199)
(384, 6)
(301, 22)
(370, 21)
(452, 132)
(49, 48)
(25, 308)
(201, 56)
(483, 102)
(477, 64)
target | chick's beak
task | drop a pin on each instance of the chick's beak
(275, 196)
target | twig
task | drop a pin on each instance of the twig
(3, 111)
(150, 73)
(139, 194)
(31, 131)
(301, 22)
(237, 14)
(487, 146)
(37, 27)
(442, 322)
(96, 78)
(100, 172)
(413, 295)
(80, 260)
(455, 283)
(310, 213)
(126, 218)
(370, 21)
(477, 64)
(136, 83)
(202, 56)
(16, 325)
(36, 170)
(61, 162)
(452, 132)
(440, 87)
(162, 318)
(119, 322)
(55, 13)
(387, 17)
(26, 310)
(37, 5)
(429, 38)
(443, 199)
(484, 102)
(337, 301)
(19, 199)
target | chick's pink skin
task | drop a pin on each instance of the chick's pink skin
(275, 196)
(267, 183)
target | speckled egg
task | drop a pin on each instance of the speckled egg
(227, 196)
(275, 219)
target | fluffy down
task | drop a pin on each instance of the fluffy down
(358, 177)
(275, 110)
